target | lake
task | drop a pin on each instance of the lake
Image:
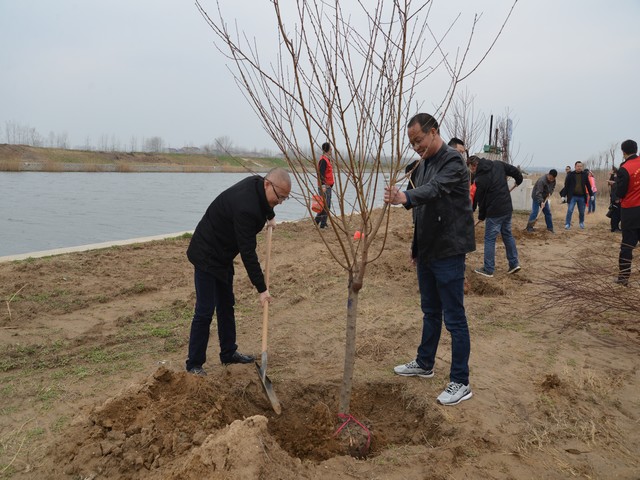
(43, 211)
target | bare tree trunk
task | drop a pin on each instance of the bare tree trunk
(350, 349)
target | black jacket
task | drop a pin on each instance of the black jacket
(493, 197)
(228, 227)
(570, 183)
(443, 220)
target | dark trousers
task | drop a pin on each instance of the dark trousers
(441, 285)
(630, 237)
(321, 218)
(212, 295)
(615, 217)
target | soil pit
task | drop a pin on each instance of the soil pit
(157, 425)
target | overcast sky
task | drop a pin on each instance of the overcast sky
(567, 70)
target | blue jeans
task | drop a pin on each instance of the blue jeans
(581, 201)
(493, 227)
(212, 295)
(441, 285)
(546, 211)
(592, 203)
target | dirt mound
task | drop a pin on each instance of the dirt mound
(176, 425)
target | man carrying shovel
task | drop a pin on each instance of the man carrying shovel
(228, 228)
(540, 194)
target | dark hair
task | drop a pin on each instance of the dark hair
(473, 160)
(326, 147)
(577, 162)
(553, 172)
(426, 122)
(455, 141)
(629, 147)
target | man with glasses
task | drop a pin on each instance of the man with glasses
(229, 227)
(443, 234)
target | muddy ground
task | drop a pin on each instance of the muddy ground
(92, 350)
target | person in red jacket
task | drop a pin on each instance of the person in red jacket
(325, 181)
(628, 191)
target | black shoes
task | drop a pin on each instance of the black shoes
(199, 371)
(238, 357)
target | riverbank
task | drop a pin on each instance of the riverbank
(22, 158)
(92, 350)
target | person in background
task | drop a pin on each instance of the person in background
(325, 181)
(493, 199)
(228, 228)
(542, 191)
(458, 144)
(563, 194)
(443, 235)
(628, 191)
(614, 201)
(576, 187)
(594, 190)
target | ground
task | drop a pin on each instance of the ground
(92, 350)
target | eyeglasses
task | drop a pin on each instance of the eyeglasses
(280, 199)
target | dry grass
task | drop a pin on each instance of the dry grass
(122, 167)
(26, 158)
(585, 291)
(10, 165)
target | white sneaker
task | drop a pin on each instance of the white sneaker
(454, 394)
(412, 369)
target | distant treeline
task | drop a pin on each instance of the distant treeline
(29, 158)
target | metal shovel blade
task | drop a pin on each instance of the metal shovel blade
(267, 385)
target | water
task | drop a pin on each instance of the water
(43, 211)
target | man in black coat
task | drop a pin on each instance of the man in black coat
(228, 228)
(443, 234)
(493, 199)
(576, 186)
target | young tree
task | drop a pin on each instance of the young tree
(346, 73)
(464, 122)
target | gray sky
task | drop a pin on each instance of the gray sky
(567, 70)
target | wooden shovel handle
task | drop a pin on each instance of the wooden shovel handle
(265, 308)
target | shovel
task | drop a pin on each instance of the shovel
(262, 370)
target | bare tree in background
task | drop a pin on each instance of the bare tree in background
(346, 73)
(62, 140)
(223, 144)
(154, 145)
(23, 135)
(610, 156)
(464, 122)
(503, 136)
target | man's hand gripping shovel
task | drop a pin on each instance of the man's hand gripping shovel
(262, 370)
